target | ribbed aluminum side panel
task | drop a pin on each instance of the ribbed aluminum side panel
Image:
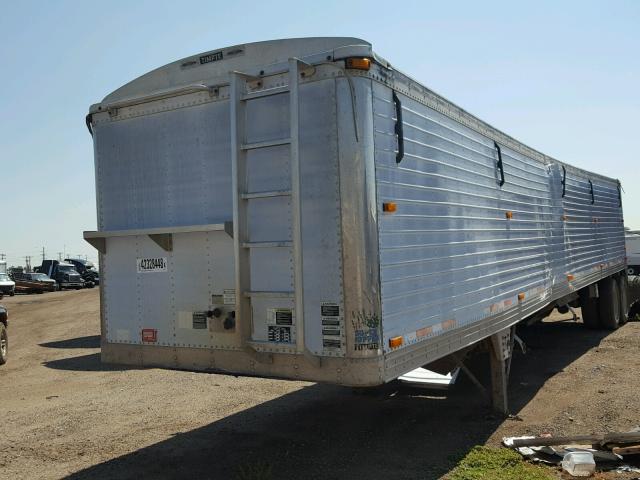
(593, 226)
(449, 255)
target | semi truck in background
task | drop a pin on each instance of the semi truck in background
(86, 269)
(302, 209)
(63, 273)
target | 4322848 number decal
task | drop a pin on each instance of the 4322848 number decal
(156, 264)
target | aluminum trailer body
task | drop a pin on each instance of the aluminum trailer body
(300, 209)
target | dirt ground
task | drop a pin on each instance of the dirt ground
(64, 414)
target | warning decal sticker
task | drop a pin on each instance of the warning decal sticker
(149, 335)
(332, 331)
(229, 296)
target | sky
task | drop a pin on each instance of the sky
(562, 77)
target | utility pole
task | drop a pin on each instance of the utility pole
(59, 256)
(27, 263)
(2, 256)
(43, 255)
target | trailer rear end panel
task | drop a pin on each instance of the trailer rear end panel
(244, 221)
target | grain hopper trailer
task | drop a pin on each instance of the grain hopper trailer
(301, 209)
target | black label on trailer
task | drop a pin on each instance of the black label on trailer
(199, 320)
(331, 343)
(333, 322)
(211, 57)
(331, 331)
(329, 310)
(284, 317)
(279, 334)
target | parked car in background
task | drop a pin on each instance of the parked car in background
(34, 282)
(86, 269)
(4, 338)
(43, 278)
(7, 286)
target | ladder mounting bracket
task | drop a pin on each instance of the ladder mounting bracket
(305, 69)
(164, 240)
(228, 228)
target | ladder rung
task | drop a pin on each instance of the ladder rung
(271, 193)
(266, 244)
(265, 93)
(268, 143)
(269, 294)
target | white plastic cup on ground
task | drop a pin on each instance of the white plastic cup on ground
(579, 464)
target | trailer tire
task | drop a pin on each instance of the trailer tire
(623, 286)
(590, 309)
(4, 344)
(609, 303)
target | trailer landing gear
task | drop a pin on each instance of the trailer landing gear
(500, 347)
(500, 354)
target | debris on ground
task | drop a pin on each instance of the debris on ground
(581, 455)
(579, 464)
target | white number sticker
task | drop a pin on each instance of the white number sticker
(158, 264)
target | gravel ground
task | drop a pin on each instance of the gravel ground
(65, 414)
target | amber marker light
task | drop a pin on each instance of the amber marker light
(395, 342)
(389, 207)
(358, 63)
(521, 297)
(509, 215)
(570, 277)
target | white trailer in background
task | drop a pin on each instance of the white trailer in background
(632, 240)
(301, 209)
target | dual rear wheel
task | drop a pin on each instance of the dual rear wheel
(609, 309)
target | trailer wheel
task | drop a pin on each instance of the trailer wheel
(623, 286)
(590, 309)
(609, 303)
(4, 344)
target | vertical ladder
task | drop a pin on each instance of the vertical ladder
(240, 96)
